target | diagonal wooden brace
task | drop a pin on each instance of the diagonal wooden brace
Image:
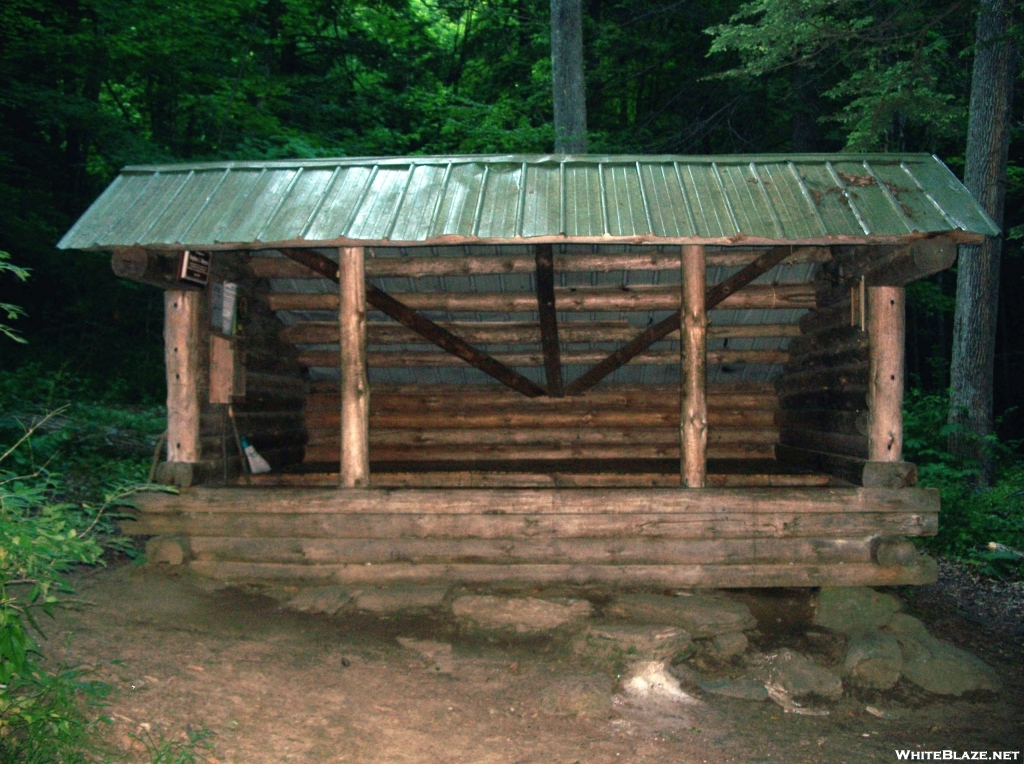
(549, 320)
(423, 326)
(665, 327)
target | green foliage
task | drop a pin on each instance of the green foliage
(892, 66)
(11, 311)
(192, 750)
(973, 517)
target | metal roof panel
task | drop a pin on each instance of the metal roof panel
(508, 198)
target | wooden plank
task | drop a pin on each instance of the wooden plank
(573, 299)
(693, 429)
(319, 451)
(405, 359)
(913, 262)
(183, 317)
(282, 268)
(610, 525)
(471, 479)
(886, 319)
(593, 418)
(548, 321)
(717, 576)
(858, 471)
(722, 294)
(828, 442)
(466, 398)
(664, 436)
(544, 501)
(139, 265)
(634, 551)
(355, 385)
(518, 332)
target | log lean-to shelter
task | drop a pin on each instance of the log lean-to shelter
(628, 370)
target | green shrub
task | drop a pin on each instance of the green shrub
(973, 516)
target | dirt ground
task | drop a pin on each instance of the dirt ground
(261, 684)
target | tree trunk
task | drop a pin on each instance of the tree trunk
(567, 77)
(977, 289)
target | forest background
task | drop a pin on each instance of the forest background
(87, 86)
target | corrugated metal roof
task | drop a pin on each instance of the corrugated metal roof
(797, 198)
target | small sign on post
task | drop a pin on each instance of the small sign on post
(195, 267)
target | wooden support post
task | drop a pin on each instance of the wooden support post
(355, 386)
(183, 311)
(886, 323)
(693, 349)
(549, 320)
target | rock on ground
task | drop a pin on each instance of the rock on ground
(936, 665)
(651, 679)
(319, 599)
(388, 600)
(744, 689)
(799, 676)
(523, 616)
(726, 646)
(578, 696)
(438, 655)
(851, 609)
(613, 642)
(873, 659)
(701, 615)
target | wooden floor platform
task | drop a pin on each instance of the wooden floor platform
(562, 473)
(713, 537)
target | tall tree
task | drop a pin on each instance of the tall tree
(567, 76)
(977, 289)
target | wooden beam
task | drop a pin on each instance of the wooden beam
(183, 316)
(423, 326)
(548, 320)
(517, 332)
(572, 299)
(886, 329)
(355, 385)
(537, 551)
(717, 295)
(145, 267)
(553, 501)
(852, 469)
(259, 523)
(693, 374)
(416, 267)
(323, 451)
(433, 359)
(915, 261)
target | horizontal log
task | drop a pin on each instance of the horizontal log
(328, 452)
(825, 420)
(405, 359)
(251, 420)
(551, 501)
(634, 551)
(467, 479)
(826, 340)
(417, 266)
(637, 298)
(275, 383)
(329, 420)
(553, 436)
(850, 377)
(605, 526)
(891, 475)
(852, 399)
(827, 442)
(490, 398)
(717, 576)
(822, 319)
(518, 333)
(144, 267)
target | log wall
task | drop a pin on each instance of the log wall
(825, 414)
(411, 423)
